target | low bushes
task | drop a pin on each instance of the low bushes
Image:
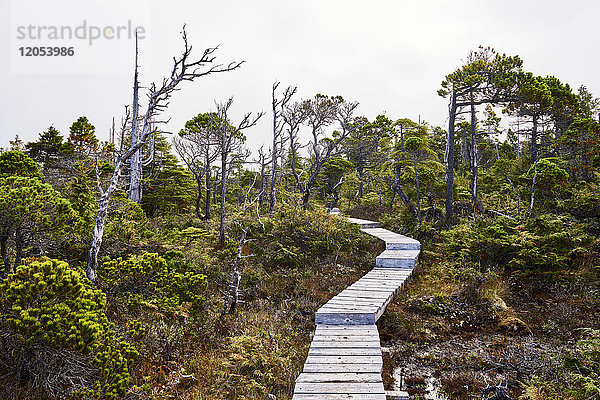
(56, 337)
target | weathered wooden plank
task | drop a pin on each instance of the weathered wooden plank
(391, 273)
(359, 293)
(373, 303)
(346, 330)
(332, 367)
(397, 258)
(396, 395)
(360, 344)
(335, 351)
(340, 387)
(330, 396)
(346, 318)
(363, 223)
(378, 282)
(344, 359)
(357, 301)
(359, 286)
(348, 308)
(324, 337)
(384, 284)
(332, 377)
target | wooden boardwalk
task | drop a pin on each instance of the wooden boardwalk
(344, 360)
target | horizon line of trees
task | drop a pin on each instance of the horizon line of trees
(438, 174)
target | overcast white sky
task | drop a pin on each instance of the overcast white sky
(389, 55)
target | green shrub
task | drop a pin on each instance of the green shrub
(15, 163)
(542, 243)
(298, 237)
(57, 335)
(583, 365)
(154, 281)
(257, 365)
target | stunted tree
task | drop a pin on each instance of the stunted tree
(332, 177)
(184, 69)
(319, 114)
(362, 144)
(230, 142)
(197, 147)
(29, 208)
(396, 161)
(16, 163)
(486, 78)
(82, 138)
(48, 148)
(279, 105)
(542, 102)
(293, 117)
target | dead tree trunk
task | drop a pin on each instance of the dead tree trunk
(474, 156)
(233, 289)
(416, 163)
(278, 124)
(158, 98)
(135, 164)
(450, 160)
(230, 141)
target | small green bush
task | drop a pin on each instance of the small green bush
(256, 364)
(155, 281)
(55, 327)
(583, 365)
(542, 243)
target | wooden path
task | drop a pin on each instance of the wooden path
(344, 360)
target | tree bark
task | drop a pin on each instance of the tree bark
(224, 156)
(232, 297)
(158, 97)
(397, 189)
(474, 155)
(418, 190)
(207, 197)
(450, 160)
(199, 197)
(135, 170)
(534, 155)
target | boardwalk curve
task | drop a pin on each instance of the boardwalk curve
(344, 359)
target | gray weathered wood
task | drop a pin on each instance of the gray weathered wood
(363, 223)
(331, 377)
(344, 360)
(340, 387)
(330, 396)
(334, 351)
(333, 367)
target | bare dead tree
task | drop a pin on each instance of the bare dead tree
(321, 112)
(197, 147)
(263, 161)
(184, 69)
(230, 141)
(278, 136)
(135, 165)
(293, 117)
(233, 289)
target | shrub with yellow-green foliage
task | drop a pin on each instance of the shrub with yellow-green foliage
(257, 365)
(56, 336)
(155, 281)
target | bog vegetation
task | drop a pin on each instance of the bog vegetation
(182, 266)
